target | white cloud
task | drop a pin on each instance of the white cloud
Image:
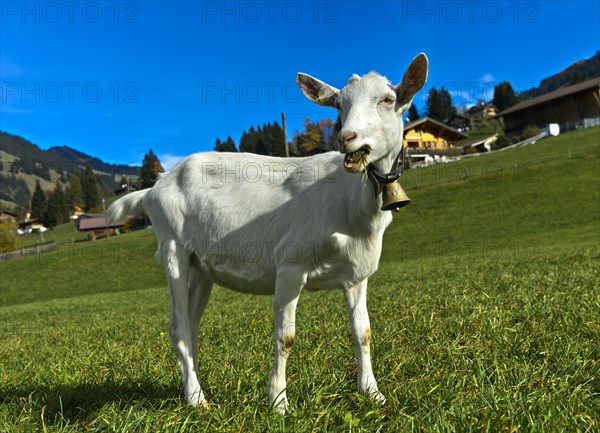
(487, 78)
(168, 160)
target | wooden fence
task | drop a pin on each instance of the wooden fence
(22, 252)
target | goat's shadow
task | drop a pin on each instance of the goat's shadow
(82, 402)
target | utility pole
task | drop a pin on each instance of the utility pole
(105, 217)
(287, 150)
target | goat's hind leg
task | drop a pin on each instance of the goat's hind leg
(177, 267)
(200, 290)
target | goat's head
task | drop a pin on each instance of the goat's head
(371, 111)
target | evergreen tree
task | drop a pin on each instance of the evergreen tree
(58, 211)
(39, 201)
(261, 147)
(74, 191)
(447, 104)
(248, 141)
(439, 104)
(504, 96)
(275, 139)
(89, 187)
(413, 113)
(151, 167)
(229, 145)
(225, 146)
(433, 106)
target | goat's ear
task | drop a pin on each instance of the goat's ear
(316, 90)
(413, 80)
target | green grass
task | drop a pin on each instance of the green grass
(484, 313)
(66, 233)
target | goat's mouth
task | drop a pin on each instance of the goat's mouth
(354, 161)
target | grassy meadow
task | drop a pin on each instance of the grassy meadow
(485, 314)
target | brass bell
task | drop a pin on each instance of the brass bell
(394, 197)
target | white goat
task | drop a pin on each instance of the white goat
(275, 226)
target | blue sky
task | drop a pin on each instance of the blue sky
(114, 79)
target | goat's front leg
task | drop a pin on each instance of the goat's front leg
(356, 302)
(287, 292)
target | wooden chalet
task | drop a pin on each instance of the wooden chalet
(429, 134)
(7, 216)
(97, 225)
(571, 107)
(459, 122)
(35, 225)
(482, 111)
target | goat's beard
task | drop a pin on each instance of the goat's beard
(357, 160)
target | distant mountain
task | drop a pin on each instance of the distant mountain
(22, 163)
(83, 160)
(579, 71)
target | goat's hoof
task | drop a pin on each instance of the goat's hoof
(281, 406)
(197, 400)
(378, 398)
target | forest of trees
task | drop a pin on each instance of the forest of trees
(268, 139)
(84, 190)
(55, 207)
(225, 146)
(263, 140)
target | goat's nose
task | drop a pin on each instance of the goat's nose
(346, 137)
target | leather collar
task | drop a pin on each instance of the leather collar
(378, 178)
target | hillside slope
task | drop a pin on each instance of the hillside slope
(544, 196)
(581, 70)
(22, 163)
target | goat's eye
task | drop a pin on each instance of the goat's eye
(388, 100)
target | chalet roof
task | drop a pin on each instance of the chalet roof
(97, 223)
(428, 121)
(559, 93)
(33, 221)
(91, 215)
(8, 212)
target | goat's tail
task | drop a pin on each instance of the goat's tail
(131, 203)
